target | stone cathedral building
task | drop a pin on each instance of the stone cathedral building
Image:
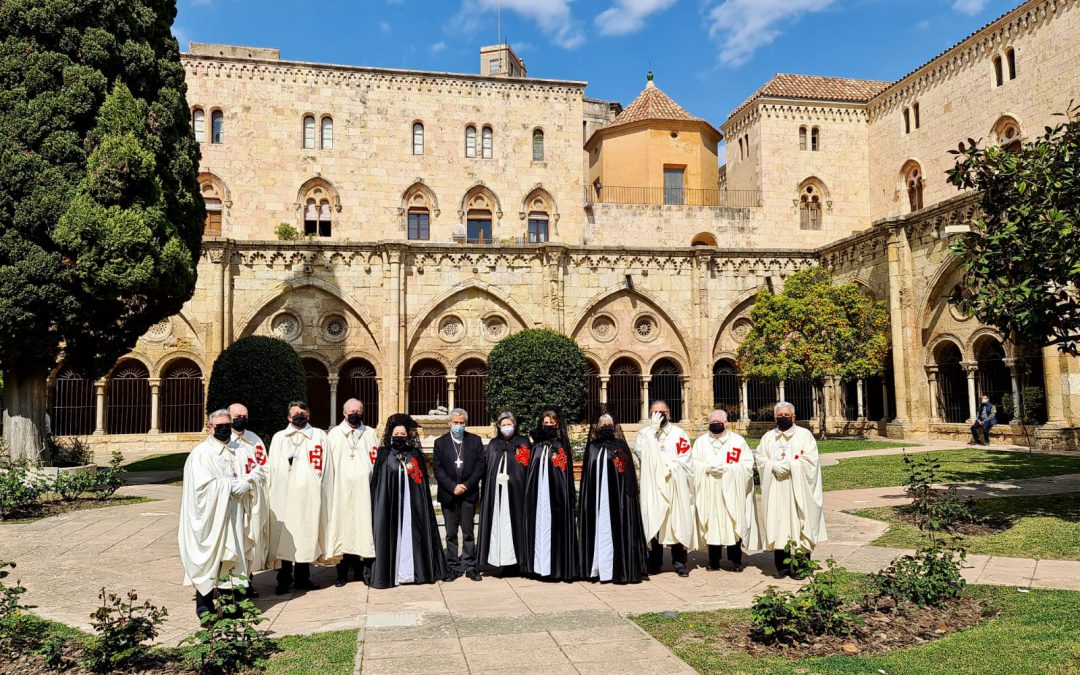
(437, 213)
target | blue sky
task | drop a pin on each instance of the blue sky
(709, 55)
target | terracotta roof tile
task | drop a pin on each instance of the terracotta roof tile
(652, 104)
(814, 88)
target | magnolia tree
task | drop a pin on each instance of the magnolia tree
(814, 330)
(100, 217)
(1021, 258)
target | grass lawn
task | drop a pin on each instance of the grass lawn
(322, 653)
(1034, 633)
(845, 444)
(957, 466)
(1044, 526)
(170, 462)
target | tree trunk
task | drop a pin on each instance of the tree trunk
(24, 413)
(819, 394)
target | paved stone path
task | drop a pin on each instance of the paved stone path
(64, 561)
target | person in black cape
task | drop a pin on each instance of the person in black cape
(612, 535)
(400, 495)
(501, 539)
(551, 551)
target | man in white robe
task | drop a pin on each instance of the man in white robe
(667, 490)
(213, 513)
(299, 461)
(353, 449)
(257, 528)
(724, 492)
(787, 460)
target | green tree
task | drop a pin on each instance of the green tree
(814, 329)
(534, 370)
(1021, 257)
(264, 374)
(100, 218)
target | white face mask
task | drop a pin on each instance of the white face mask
(507, 430)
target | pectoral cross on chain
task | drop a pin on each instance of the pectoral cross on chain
(458, 462)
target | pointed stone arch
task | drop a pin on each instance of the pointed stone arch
(654, 305)
(431, 311)
(418, 195)
(310, 186)
(480, 197)
(247, 323)
(539, 200)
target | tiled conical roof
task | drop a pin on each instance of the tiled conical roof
(652, 104)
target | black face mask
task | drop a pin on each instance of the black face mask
(784, 423)
(239, 423)
(355, 419)
(222, 432)
(299, 420)
(663, 420)
(398, 443)
(547, 433)
(606, 433)
(717, 427)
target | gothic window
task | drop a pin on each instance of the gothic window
(1007, 133)
(810, 208)
(319, 202)
(309, 132)
(327, 133)
(470, 141)
(419, 224)
(1010, 58)
(198, 123)
(802, 139)
(211, 193)
(741, 155)
(487, 140)
(538, 228)
(998, 78)
(913, 184)
(915, 113)
(815, 139)
(538, 145)
(907, 120)
(217, 126)
(417, 138)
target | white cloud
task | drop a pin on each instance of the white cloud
(744, 26)
(384, 27)
(438, 47)
(521, 47)
(182, 37)
(628, 16)
(552, 16)
(969, 7)
(923, 25)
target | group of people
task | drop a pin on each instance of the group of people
(349, 499)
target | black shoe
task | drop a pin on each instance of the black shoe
(307, 586)
(681, 571)
(738, 568)
(452, 575)
(780, 574)
(474, 575)
(341, 583)
(281, 590)
(252, 593)
(713, 567)
(653, 571)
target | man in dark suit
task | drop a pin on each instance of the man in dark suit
(986, 416)
(459, 467)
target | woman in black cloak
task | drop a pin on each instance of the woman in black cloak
(501, 539)
(551, 552)
(408, 548)
(612, 535)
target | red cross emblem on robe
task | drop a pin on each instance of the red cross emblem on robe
(260, 455)
(250, 465)
(682, 447)
(315, 458)
(733, 455)
(374, 453)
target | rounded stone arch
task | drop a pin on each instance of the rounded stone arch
(352, 354)
(978, 339)
(941, 342)
(163, 362)
(419, 195)
(704, 239)
(819, 186)
(246, 325)
(316, 355)
(649, 298)
(680, 361)
(726, 356)
(1007, 130)
(141, 358)
(515, 309)
(910, 183)
(310, 186)
(416, 358)
(468, 355)
(539, 199)
(942, 277)
(606, 364)
(211, 186)
(480, 197)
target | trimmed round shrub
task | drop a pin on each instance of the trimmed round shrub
(534, 370)
(264, 374)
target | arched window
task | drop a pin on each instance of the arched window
(913, 184)
(470, 141)
(538, 227)
(127, 408)
(182, 405)
(704, 239)
(417, 138)
(746, 142)
(428, 389)
(993, 377)
(317, 380)
(358, 380)
(802, 138)
(319, 202)
(469, 391)
(1006, 133)
(998, 77)
(309, 132)
(666, 383)
(810, 208)
(624, 391)
(740, 149)
(1010, 59)
(198, 123)
(726, 389)
(915, 114)
(592, 392)
(327, 133)
(212, 196)
(952, 390)
(538, 145)
(478, 209)
(815, 139)
(419, 224)
(217, 127)
(487, 142)
(539, 208)
(74, 405)
(907, 120)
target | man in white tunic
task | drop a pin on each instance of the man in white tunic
(213, 509)
(257, 528)
(724, 492)
(787, 460)
(667, 489)
(298, 462)
(353, 449)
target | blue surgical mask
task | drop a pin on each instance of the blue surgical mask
(457, 430)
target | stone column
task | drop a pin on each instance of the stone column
(896, 325)
(884, 400)
(227, 309)
(971, 368)
(99, 416)
(382, 407)
(155, 405)
(782, 395)
(685, 412)
(333, 400)
(1055, 405)
(217, 299)
(394, 375)
(859, 391)
(1014, 378)
(645, 379)
(744, 402)
(604, 379)
(931, 377)
(451, 382)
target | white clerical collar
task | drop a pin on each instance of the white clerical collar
(306, 431)
(786, 434)
(347, 428)
(218, 446)
(722, 438)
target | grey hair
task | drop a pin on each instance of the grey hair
(458, 411)
(505, 415)
(784, 404)
(607, 417)
(352, 400)
(220, 412)
(721, 411)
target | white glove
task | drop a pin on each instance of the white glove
(716, 470)
(654, 422)
(781, 470)
(239, 487)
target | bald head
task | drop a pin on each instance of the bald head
(238, 409)
(718, 416)
(353, 411)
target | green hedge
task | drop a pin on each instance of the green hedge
(533, 370)
(264, 374)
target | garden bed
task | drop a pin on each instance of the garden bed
(56, 507)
